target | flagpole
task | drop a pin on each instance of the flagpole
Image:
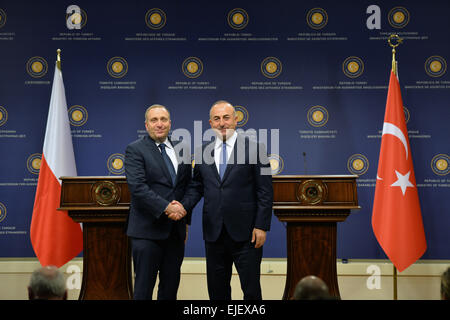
(399, 41)
(58, 59)
(394, 69)
(395, 283)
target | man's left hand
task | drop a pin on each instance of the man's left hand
(258, 237)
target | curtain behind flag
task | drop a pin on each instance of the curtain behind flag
(396, 216)
(55, 237)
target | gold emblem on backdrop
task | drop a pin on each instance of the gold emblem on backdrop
(358, 164)
(317, 116)
(271, 67)
(317, 18)
(117, 67)
(242, 115)
(353, 67)
(2, 212)
(192, 67)
(78, 19)
(276, 163)
(440, 164)
(435, 66)
(37, 67)
(116, 164)
(398, 17)
(2, 18)
(34, 163)
(3, 116)
(155, 18)
(78, 115)
(237, 18)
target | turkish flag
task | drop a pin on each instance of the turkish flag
(55, 237)
(396, 216)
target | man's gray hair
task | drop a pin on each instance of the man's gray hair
(48, 282)
(155, 106)
(219, 102)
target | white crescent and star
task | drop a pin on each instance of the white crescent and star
(402, 180)
(389, 128)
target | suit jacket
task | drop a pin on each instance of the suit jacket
(151, 191)
(241, 201)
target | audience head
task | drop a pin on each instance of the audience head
(311, 288)
(445, 285)
(47, 283)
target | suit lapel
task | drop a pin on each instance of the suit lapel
(180, 166)
(212, 166)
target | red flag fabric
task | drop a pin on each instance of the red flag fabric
(396, 216)
(55, 237)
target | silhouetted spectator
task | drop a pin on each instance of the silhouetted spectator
(311, 288)
(47, 283)
(445, 285)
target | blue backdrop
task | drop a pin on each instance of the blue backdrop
(316, 70)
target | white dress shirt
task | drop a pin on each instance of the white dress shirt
(170, 152)
(218, 149)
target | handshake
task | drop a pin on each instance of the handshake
(175, 211)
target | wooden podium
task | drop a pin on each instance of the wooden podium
(311, 206)
(102, 205)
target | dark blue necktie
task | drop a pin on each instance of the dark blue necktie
(168, 162)
(223, 161)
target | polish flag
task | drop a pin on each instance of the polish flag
(396, 216)
(55, 237)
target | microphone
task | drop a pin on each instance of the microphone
(304, 163)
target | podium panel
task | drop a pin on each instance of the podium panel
(101, 204)
(312, 206)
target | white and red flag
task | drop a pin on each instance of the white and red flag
(55, 237)
(396, 217)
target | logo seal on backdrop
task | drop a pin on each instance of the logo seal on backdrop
(115, 163)
(407, 114)
(34, 163)
(317, 116)
(242, 115)
(271, 67)
(37, 67)
(2, 18)
(3, 116)
(353, 67)
(358, 164)
(155, 18)
(237, 18)
(398, 17)
(440, 164)
(117, 67)
(435, 66)
(317, 18)
(76, 18)
(276, 163)
(192, 67)
(78, 115)
(2, 212)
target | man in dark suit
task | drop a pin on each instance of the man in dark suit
(237, 208)
(157, 224)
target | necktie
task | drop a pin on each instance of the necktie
(223, 161)
(168, 162)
